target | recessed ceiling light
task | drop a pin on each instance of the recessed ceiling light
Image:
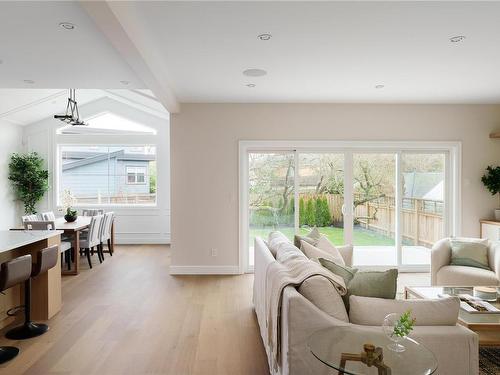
(125, 82)
(251, 85)
(67, 25)
(379, 86)
(29, 81)
(254, 72)
(457, 39)
(264, 36)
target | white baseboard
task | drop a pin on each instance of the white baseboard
(204, 270)
(142, 241)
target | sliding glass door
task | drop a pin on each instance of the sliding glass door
(374, 209)
(423, 204)
(321, 194)
(391, 203)
(271, 197)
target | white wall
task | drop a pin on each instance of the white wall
(10, 142)
(133, 225)
(204, 161)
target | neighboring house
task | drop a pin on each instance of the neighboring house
(93, 174)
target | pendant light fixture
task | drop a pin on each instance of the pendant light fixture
(72, 116)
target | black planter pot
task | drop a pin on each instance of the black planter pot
(70, 218)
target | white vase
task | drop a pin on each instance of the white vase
(497, 214)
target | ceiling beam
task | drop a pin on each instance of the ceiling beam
(119, 23)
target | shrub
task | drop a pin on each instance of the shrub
(310, 214)
(323, 217)
(302, 212)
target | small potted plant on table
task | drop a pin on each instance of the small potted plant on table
(68, 199)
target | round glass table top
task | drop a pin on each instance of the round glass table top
(329, 344)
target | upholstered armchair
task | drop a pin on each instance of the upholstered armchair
(444, 274)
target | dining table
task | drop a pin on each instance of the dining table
(73, 230)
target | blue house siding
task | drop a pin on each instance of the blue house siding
(104, 177)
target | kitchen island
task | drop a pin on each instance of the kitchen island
(46, 288)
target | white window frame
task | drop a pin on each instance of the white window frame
(62, 140)
(453, 151)
(136, 174)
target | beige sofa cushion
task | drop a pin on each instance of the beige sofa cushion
(324, 296)
(428, 312)
(313, 252)
(274, 240)
(464, 276)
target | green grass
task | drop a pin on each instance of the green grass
(362, 237)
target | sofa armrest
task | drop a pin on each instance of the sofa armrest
(346, 252)
(440, 257)
(456, 348)
(300, 318)
(495, 257)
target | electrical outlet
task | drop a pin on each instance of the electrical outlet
(213, 252)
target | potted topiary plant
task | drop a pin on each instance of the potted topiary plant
(29, 179)
(492, 182)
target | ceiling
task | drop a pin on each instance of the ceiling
(34, 47)
(27, 106)
(328, 51)
(319, 51)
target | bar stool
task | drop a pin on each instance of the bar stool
(13, 272)
(45, 260)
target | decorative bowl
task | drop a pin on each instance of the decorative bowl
(70, 218)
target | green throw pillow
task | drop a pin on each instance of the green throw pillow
(311, 238)
(469, 253)
(378, 284)
(347, 273)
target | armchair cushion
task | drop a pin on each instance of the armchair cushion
(428, 312)
(465, 276)
(471, 253)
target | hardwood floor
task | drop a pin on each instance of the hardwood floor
(129, 316)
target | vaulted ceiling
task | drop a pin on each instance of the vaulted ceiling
(318, 51)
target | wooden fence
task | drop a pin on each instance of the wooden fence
(117, 199)
(422, 219)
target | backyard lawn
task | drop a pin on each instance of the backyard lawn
(362, 237)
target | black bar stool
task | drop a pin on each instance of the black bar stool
(45, 260)
(13, 272)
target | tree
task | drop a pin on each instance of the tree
(310, 215)
(302, 212)
(322, 212)
(30, 180)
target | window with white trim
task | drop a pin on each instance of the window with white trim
(136, 175)
(107, 174)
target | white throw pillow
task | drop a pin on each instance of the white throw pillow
(321, 293)
(274, 240)
(312, 252)
(325, 245)
(427, 312)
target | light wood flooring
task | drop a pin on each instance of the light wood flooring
(129, 316)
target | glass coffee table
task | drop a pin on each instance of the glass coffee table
(487, 326)
(330, 346)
